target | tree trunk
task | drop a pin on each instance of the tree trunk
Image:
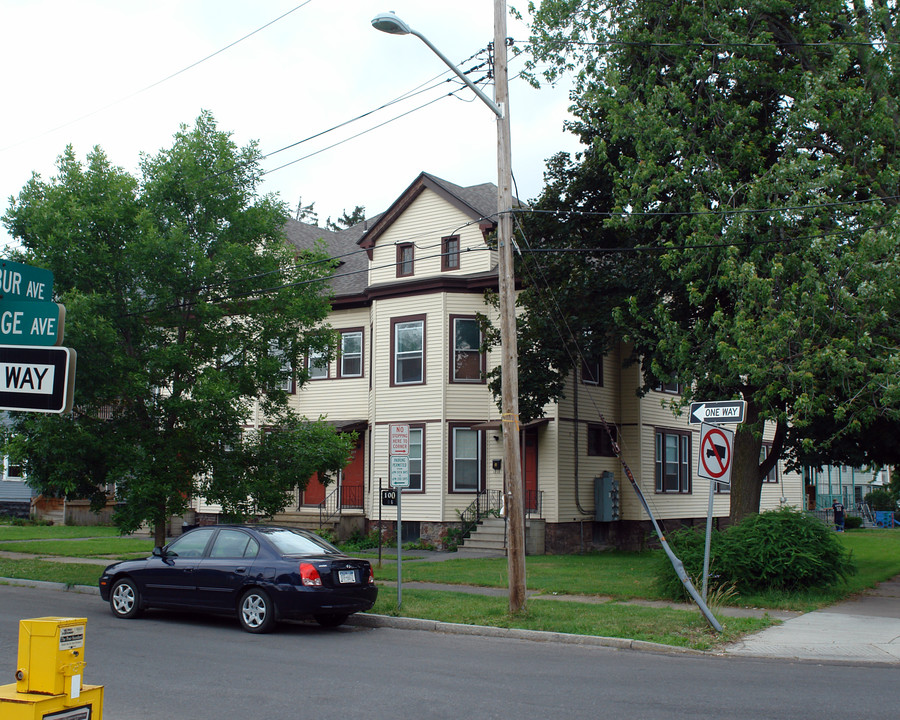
(746, 478)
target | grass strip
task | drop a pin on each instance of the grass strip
(66, 573)
(661, 625)
(82, 548)
(55, 532)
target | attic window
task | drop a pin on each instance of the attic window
(450, 253)
(405, 257)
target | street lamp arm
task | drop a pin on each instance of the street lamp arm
(498, 111)
(391, 24)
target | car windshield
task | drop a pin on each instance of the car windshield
(297, 542)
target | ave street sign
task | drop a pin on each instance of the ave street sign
(37, 379)
(719, 411)
(31, 323)
(716, 451)
(400, 471)
(23, 282)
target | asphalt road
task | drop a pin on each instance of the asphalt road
(167, 665)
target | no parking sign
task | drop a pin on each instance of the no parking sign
(716, 451)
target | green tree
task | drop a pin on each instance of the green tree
(734, 211)
(347, 220)
(189, 314)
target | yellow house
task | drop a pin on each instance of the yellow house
(406, 296)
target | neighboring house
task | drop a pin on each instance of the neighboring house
(15, 494)
(847, 484)
(406, 297)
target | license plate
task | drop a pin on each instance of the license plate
(347, 576)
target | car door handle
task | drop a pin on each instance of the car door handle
(240, 570)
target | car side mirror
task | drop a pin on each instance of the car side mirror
(159, 552)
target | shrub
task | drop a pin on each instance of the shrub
(780, 550)
(852, 522)
(880, 499)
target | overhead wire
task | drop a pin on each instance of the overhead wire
(158, 82)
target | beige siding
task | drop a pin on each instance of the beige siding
(428, 219)
(337, 398)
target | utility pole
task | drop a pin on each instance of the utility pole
(509, 360)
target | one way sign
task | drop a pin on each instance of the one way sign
(37, 379)
(718, 411)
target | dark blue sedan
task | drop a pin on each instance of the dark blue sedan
(261, 574)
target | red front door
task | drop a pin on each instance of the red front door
(352, 477)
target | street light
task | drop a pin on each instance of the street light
(509, 394)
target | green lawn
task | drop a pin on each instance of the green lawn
(55, 532)
(615, 575)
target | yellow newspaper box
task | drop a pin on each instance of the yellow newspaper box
(49, 674)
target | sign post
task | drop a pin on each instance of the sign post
(714, 463)
(399, 465)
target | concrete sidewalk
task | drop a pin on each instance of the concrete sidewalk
(862, 630)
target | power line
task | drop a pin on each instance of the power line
(158, 82)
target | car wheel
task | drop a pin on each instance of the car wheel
(125, 599)
(331, 620)
(256, 612)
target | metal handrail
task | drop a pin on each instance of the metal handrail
(534, 503)
(485, 502)
(330, 506)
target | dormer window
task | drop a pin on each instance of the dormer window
(405, 258)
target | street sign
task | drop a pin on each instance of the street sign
(23, 282)
(399, 440)
(31, 323)
(389, 497)
(400, 471)
(716, 451)
(37, 379)
(719, 411)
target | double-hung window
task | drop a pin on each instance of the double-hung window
(592, 372)
(405, 259)
(408, 351)
(467, 363)
(416, 458)
(317, 365)
(673, 461)
(467, 465)
(600, 441)
(351, 354)
(764, 451)
(450, 253)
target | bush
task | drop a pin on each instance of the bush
(881, 499)
(781, 550)
(852, 522)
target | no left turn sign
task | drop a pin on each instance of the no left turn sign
(716, 450)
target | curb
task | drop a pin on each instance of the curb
(47, 585)
(403, 623)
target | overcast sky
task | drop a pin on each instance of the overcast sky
(124, 74)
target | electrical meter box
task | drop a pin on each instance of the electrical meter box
(49, 671)
(606, 498)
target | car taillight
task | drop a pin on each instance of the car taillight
(371, 576)
(309, 575)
